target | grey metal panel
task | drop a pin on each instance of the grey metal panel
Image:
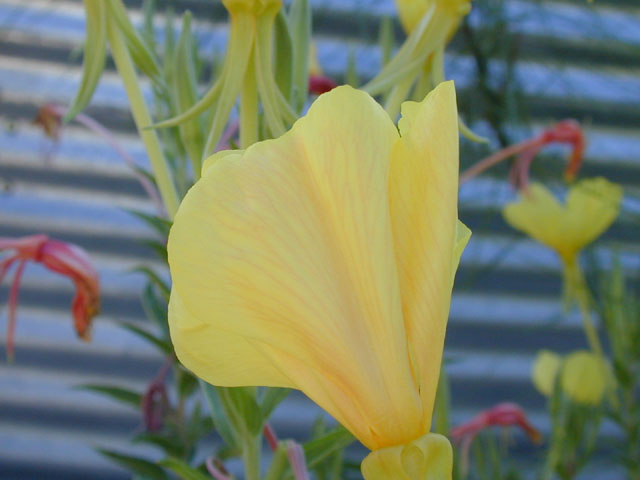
(500, 314)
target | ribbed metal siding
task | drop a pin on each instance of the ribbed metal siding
(577, 61)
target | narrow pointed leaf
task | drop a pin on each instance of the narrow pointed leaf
(185, 95)
(117, 393)
(95, 52)
(283, 55)
(141, 53)
(147, 469)
(318, 449)
(220, 421)
(148, 336)
(183, 470)
(271, 398)
(300, 26)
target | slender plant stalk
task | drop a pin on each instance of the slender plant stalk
(141, 116)
(249, 107)
(251, 457)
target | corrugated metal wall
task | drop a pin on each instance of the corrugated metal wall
(576, 61)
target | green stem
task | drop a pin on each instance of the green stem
(578, 287)
(141, 117)
(241, 40)
(399, 94)
(279, 463)
(251, 457)
(249, 108)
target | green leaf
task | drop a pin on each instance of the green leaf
(318, 449)
(351, 76)
(385, 39)
(95, 54)
(220, 421)
(136, 464)
(155, 309)
(283, 55)
(187, 383)
(155, 279)
(160, 225)
(117, 393)
(300, 27)
(185, 95)
(183, 470)
(271, 398)
(159, 248)
(141, 53)
(172, 446)
(241, 407)
(148, 336)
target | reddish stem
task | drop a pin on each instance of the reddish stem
(270, 436)
(496, 158)
(104, 132)
(213, 470)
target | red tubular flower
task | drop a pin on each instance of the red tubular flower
(64, 258)
(319, 84)
(503, 414)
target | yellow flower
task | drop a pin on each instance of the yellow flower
(412, 11)
(584, 377)
(324, 261)
(256, 7)
(418, 66)
(592, 206)
(545, 370)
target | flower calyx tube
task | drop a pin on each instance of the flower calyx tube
(418, 66)
(248, 74)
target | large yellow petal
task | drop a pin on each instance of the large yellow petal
(424, 215)
(217, 355)
(290, 247)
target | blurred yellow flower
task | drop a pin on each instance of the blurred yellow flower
(545, 370)
(324, 261)
(584, 377)
(592, 206)
(412, 11)
(255, 7)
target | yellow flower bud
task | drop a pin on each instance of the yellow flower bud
(584, 377)
(429, 457)
(545, 370)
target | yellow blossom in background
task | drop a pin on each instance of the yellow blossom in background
(411, 12)
(584, 377)
(545, 370)
(324, 261)
(592, 205)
